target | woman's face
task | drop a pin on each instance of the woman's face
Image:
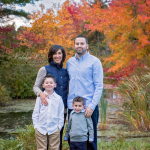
(57, 57)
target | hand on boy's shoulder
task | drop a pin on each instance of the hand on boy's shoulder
(43, 98)
(88, 112)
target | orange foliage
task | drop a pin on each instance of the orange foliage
(55, 29)
(126, 25)
(30, 39)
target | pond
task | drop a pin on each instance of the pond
(16, 115)
(19, 114)
(10, 121)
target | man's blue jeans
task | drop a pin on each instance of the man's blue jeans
(95, 116)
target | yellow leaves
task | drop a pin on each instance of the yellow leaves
(56, 29)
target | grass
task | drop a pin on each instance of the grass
(122, 144)
(119, 144)
(26, 141)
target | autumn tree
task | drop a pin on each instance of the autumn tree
(126, 25)
(57, 26)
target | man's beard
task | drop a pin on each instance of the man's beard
(81, 52)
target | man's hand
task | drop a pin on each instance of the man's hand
(43, 98)
(88, 112)
(90, 141)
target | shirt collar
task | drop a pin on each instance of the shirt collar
(54, 94)
(83, 110)
(82, 57)
(59, 66)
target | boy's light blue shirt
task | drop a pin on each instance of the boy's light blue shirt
(86, 79)
(47, 119)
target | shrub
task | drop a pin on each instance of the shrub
(25, 140)
(4, 95)
(18, 74)
(12, 144)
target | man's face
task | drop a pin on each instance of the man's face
(81, 46)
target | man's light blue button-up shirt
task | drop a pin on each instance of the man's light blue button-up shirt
(86, 79)
(47, 119)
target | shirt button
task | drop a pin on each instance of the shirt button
(60, 77)
(61, 86)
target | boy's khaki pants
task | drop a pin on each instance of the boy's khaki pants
(41, 140)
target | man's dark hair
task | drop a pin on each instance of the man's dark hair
(79, 99)
(82, 36)
(49, 76)
(53, 50)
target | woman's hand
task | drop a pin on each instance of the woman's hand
(43, 98)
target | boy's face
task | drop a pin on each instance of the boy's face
(49, 84)
(78, 106)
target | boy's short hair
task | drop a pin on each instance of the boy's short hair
(49, 76)
(79, 99)
(82, 36)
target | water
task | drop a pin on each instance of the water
(20, 114)
(15, 115)
(9, 122)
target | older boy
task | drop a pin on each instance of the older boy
(48, 120)
(79, 126)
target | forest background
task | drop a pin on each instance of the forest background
(118, 34)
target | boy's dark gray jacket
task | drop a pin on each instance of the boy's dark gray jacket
(78, 127)
(62, 79)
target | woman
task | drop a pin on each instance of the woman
(56, 57)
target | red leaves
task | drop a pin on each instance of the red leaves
(8, 38)
(7, 29)
(123, 22)
(73, 9)
(126, 71)
(30, 39)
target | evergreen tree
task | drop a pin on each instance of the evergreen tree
(7, 8)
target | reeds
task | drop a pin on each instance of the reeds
(135, 92)
(103, 111)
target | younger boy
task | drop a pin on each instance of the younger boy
(48, 120)
(79, 126)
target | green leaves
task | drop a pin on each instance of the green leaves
(18, 76)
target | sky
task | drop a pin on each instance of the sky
(19, 21)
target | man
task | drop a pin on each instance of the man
(86, 80)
